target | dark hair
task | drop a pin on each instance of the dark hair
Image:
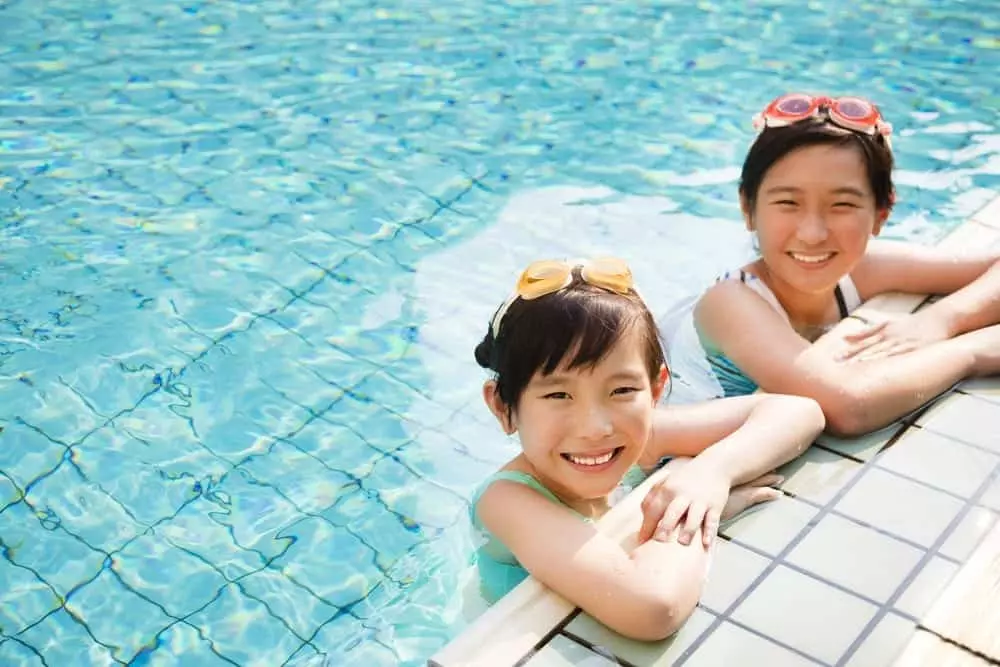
(775, 143)
(581, 319)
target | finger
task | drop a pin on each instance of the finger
(764, 494)
(897, 349)
(653, 506)
(693, 522)
(770, 479)
(880, 351)
(868, 331)
(767, 479)
(712, 518)
(856, 348)
(671, 518)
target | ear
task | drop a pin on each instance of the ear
(881, 215)
(747, 212)
(660, 384)
(491, 396)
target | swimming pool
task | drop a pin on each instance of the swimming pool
(248, 247)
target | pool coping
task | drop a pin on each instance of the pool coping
(517, 627)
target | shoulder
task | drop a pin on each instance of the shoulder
(507, 489)
(735, 301)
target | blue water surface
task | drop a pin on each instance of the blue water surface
(247, 249)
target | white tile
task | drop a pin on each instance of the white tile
(772, 527)
(885, 642)
(648, 654)
(899, 506)
(734, 568)
(806, 614)
(939, 461)
(926, 587)
(564, 652)
(732, 645)
(969, 418)
(858, 558)
(968, 534)
(817, 475)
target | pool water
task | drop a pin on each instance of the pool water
(247, 249)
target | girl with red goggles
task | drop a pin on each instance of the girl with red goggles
(816, 186)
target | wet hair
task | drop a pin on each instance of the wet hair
(583, 320)
(775, 143)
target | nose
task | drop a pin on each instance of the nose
(812, 229)
(595, 423)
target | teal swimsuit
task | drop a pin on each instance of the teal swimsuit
(732, 379)
(499, 569)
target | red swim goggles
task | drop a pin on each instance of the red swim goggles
(851, 113)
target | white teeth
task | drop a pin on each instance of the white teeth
(811, 259)
(590, 460)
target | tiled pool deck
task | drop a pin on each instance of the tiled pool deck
(854, 566)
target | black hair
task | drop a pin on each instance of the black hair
(582, 319)
(775, 143)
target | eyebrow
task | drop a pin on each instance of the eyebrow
(781, 189)
(560, 379)
(628, 376)
(551, 381)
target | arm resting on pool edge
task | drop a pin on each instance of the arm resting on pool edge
(970, 279)
(743, 437)
(644, 592)
(856, 397)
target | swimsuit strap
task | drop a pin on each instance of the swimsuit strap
(522, 478)
(849, 292)
(841, 304)
(846, 293)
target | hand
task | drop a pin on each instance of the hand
(894, 337)
(752, 493)
(691, 491)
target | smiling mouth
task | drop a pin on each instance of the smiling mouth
(812, 258)
(593, 461)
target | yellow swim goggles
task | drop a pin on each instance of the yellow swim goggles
(548, 276)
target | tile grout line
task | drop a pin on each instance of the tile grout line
(918, 568)
(597, 649)
(881, 531)
(812, 575)
(546, 638)
(779, 558)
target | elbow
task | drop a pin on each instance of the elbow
(808, 413)
(653, 619)
(846, 414)
(666, 619)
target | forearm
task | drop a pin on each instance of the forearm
(778, 429)
(646, 591)
(975, 306)
(673, 576)
(869, 395)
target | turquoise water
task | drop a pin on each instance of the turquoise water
(247, 249)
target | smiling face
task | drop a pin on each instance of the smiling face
(814, 214)
(581, 429)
